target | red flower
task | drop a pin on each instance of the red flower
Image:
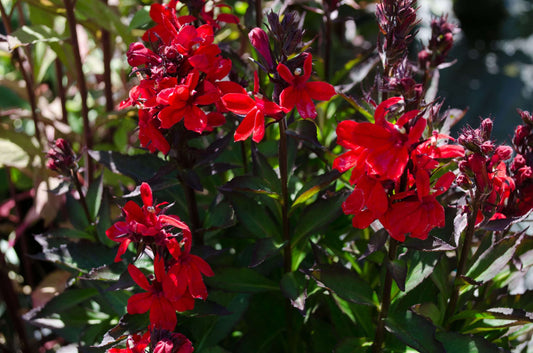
(135, 344)
(145, 221)
(255, 111)
(189, 269)
(301, 93)
(182, 103)
(163, 296)
(387, 144)
(417, 216)
(164, 341)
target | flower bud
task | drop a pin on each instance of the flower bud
(518, 162)
(486, 128)
(526, 117)
(504, 152)
(139, 55)
(61, 157)
(487, 147)
(260, 42)
(520, 134)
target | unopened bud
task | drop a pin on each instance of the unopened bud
(504, 152)
(486, 128)
(487, 147)
(260, 42)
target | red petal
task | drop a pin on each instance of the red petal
(346, 134)
(133, 212)
(238, 103)
(383, 109)
(173, 221)
(321, 91)
(195, 119)
(308, 68)
(202, 265)
(146, 194)
(139, 277)
(370, 136)
(270, 108)
(230, 87)
(162, 314)
(195, 281)
(170, 116)
(215, 119)
(122, 249)
(288, 98)
(354, 203)
(139, 303)
(259, 127)
(245, 128)
(285, 73)
(305, 106)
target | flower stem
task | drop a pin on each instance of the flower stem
(287, 258)
(385, 300)
(465, 250)
(194, 216)
(82, 87)
(83, 200)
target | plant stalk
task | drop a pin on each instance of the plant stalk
(385, 300)
(194, 217)
(463, 257)
(61, 90)
(107, 53)
(82, 87)
(282, 155)
(83, 200)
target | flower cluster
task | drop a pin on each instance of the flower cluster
(521, 200)
(483, 170)
(178, 277)
(61, 157)
(181, 71)
(290, 77)
(392, 170)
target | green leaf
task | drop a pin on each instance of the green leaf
(76, 214)
(262, 169)
(415, 331)
(13, 155)
(314, 186)
(264, 249)
(495, 258)
(294, 287)
(66, 300)
(141, 18)
(455, 342)
(253, 216)
(81, 256)
(103, 16)
(251, 184)
(422, 266)
(94, 196)
(26, 35)
(224, 324)
(128, 324)
(241, 280)
(317, 216)
(343, 282)
(139, 167)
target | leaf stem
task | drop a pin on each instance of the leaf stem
(385, 300)
(82, 87)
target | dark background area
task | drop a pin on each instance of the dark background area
(493, 73)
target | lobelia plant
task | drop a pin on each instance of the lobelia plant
(352, 221)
